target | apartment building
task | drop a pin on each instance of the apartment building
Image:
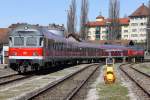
(98, 30)
(132, 28)
(138, 23)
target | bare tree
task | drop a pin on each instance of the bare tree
(148, 31)
(71, 17)
(114, 26)
(84, 19)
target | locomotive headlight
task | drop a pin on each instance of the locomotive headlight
(35, 53)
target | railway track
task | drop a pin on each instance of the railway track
(12, 78)
(68, 87)
(141, 79)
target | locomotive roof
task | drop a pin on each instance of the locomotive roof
(51, 35)
(25, 28)
(135, 47)
(113, 47)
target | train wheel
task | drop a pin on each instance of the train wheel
(36, 67)
(21, 69)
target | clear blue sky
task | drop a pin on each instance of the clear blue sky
(44, 12)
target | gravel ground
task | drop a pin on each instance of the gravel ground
(127, 83)
(6, 71)
(60, 92)
(102, 91)
(22, 89)
(135, 93)
(144, 67)
(88, 91)
(93, 93)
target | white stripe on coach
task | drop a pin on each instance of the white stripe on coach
(26, 57)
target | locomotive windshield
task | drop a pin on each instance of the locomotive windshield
(18, 41)
(31, 41)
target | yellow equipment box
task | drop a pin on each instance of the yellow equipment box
(109, 76)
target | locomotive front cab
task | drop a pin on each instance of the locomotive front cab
(25, 48)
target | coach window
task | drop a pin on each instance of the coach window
(62, 46)
(59, 46)
(54, 46)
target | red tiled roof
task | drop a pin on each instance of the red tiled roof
(96, 23)
(141, 11)
(123, 21)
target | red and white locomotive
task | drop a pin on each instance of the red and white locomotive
(33, 47)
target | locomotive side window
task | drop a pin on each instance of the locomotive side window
(18, 41)
(10, 41)
(41, 41)
(31, 41)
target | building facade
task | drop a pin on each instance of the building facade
(99, 29)
(132, 28)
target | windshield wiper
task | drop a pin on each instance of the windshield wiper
(21, 37)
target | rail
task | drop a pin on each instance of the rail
(136, 81)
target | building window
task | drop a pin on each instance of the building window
(145, 24)
(134, 24)
(97, 37)
(125, 31)
(141, 24)
(89, 32)
(134, 35)
(125, 26)
(134, 30)
(125, 36)
(103, 31)
(103, 37)
(97, 28)
(142, 29)
(97, 32)
(142, 35)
